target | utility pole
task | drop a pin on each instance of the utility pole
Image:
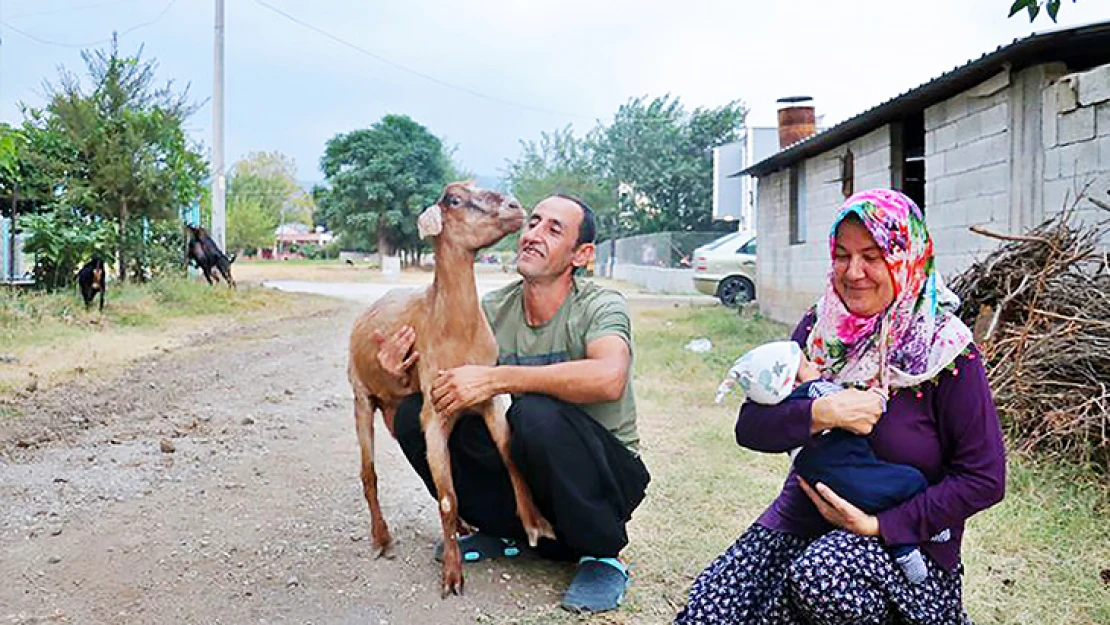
(15, 196)
(219, 182)
(11, 233)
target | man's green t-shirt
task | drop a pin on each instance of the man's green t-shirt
(589, 313)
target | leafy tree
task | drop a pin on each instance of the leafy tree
(34, 164)
(250, 224)
(12, 143)
(379, 179)
(660, 158)
(63, 238)
(650, 170)
(47, 161)
(262, 192)
(131, 159)
(1033, 7)
(561, 163)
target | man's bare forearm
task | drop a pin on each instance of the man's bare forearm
(578, 382)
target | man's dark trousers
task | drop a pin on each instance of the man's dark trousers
(584, 481)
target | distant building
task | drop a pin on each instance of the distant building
(735, 196)
(298, 234)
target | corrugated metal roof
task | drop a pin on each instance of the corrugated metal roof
(1080, 47)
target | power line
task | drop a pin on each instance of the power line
(89, 44)
(151, 22)
(49, 42)
(70, 9)
(418, 73)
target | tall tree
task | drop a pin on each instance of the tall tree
(660, 159)
(12, 142)
(250, 224)
(561, 162)
(262, 192)
(36, 164)
(35, 160)
(379, 179)
(133, 160)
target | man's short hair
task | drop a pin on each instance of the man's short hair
(587, 230)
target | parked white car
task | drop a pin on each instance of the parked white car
(725, 268)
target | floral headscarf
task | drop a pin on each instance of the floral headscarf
(917, 335)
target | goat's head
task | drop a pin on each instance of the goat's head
(470, 218)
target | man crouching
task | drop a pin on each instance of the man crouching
(565, 356)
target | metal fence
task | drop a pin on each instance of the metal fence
(672, 250)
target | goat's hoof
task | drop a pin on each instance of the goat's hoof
(540, 528)
(384, 551)
(452, 584)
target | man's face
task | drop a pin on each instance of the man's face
(548, 244)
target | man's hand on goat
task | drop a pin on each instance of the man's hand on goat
(457, 389)
(392, 352)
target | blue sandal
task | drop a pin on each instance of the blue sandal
(598, 586)
(478, 546)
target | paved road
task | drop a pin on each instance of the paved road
(367, 292)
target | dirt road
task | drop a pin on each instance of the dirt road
(219, 484)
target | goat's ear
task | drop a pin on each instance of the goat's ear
(430, 222)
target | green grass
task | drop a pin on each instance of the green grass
(1035, 558)
(34, 318)
(49, 338)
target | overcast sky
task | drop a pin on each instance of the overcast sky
(484, 75)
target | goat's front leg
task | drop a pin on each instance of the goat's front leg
(535, 525)
(436, 434)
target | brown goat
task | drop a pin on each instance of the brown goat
(451, 331)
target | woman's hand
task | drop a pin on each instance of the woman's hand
(392, 352)
(839, 512)
(851, 409)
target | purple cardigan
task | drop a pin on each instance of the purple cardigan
(947, 428)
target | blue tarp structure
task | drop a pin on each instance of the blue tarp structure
(191, 216)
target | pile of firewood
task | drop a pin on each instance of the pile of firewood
(1040, 309)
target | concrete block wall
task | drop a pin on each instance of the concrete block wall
(791, 277)
(1076, 109)
(657, 279)
(967, 171)
(780, 271)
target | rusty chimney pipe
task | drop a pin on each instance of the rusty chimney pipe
(797, 120)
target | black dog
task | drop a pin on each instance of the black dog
(92, 280)
(207, 256)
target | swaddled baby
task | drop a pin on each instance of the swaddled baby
(841, 460)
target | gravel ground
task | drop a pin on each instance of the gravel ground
(219, 484)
